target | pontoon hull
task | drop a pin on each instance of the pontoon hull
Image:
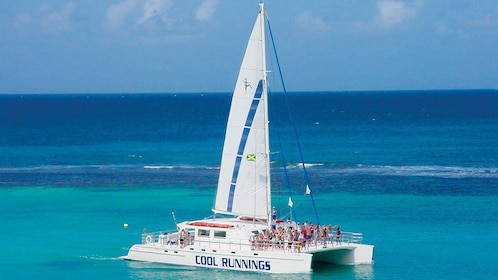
(256, 261)
(349, 254)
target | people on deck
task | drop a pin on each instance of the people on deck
(182, 235)
(296, 238)
(338, 234)
(293, 237)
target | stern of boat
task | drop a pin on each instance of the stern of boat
(349, 250)
(345, 255)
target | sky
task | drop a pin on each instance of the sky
(176, 46)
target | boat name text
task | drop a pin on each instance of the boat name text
(233, 263)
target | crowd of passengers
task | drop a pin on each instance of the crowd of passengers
(296, 238)
(285, 237)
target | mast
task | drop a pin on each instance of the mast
(265, 100)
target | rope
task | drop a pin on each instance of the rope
(306, 178)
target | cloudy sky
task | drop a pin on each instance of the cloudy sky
(116, 46)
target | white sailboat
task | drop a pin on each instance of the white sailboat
(247, 237)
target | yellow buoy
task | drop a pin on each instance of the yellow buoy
(125, 225)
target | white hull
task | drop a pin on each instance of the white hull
(240, 255)
(255, 261)
(348, 254)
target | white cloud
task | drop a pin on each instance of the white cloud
(308, 21)
(393, 12)
(440, 28)
(138, 12)
(47, 19)
(23, 19)
(57, 21)
(117, 14)
(206, 10)
(155, 10)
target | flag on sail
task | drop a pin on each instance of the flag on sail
(291, 204)
(308, 190)
(251, 157)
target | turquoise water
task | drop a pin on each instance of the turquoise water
(417, 173)
(79, 233)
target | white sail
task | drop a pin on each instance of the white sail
(243, 185)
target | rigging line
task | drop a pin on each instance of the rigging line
(286, 175)
(306, 179)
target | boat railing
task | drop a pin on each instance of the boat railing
(160, 237)
(172, 239)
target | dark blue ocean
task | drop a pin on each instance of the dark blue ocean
(415, 171)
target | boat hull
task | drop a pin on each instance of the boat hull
(269, 261)
(255, 261)
(347, 254)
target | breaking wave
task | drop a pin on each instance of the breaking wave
(179, 167)
(418, 171)
(97, 168)
(85, 173)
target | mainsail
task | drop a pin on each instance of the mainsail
(244, 180)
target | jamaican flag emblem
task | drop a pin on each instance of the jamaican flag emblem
(251, 157)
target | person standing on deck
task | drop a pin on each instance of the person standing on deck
(338, 234)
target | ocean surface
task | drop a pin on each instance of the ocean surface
(416, 172)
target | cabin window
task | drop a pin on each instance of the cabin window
(220, 234)
(203, 232)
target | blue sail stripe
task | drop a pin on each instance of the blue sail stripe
(252, 112)
(238, 160)
(243, 141)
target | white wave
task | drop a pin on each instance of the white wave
(99, 258)
(422, 171)
(179, 167)
(313, 164)
(379, 170)
(49, 168)
(158, 167)
(307, 165)
(102, 167)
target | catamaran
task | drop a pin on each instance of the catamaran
(244, 233)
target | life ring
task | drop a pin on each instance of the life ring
(149, 239)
